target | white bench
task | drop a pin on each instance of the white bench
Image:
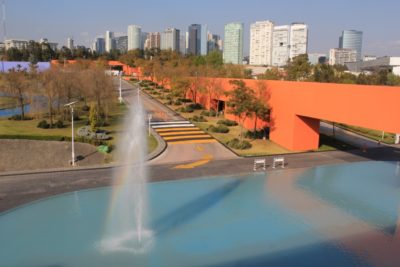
(278, 160)
(259, 161)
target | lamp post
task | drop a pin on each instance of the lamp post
(120, 87)
(71, 106)
(149, 116)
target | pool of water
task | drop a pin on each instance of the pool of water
(337, 215)
(13, 111)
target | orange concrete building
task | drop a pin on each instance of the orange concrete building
(298, 107)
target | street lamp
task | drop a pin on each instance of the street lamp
(120, 87)
(71, 106)
(149, 116)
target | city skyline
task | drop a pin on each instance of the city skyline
(326, 23)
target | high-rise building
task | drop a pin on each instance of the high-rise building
(280, 45)
(261, 42)
(298, 39)
(352, 39)
(213, 42)
(143, 39)
(194, 43)
(153, 40)
(203, 40)
(182, 44)
(121, 43)
(99, 45)
(340, 56)
(170, 39)
(14, 43)
(70, 43)
(134, 37)
(109, 41)
(233, 47)
(317, 58)
(45, 42)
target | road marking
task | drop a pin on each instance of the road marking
(204, 135)
(172, 126)
(176, 129)
(206, 141)
(206, 159)
(200, 148)
(180, 133)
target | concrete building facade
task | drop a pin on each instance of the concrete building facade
(170, 39)
(340, 56)
(134, 37)
(261, 34)
(298, 39)
(109, 41)
(280, 45)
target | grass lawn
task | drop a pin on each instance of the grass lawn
(7, 102)
(11, 129)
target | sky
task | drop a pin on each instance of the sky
(86, 19)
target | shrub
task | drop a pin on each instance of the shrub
(43, 124)
(237, 144)
(198, 119)
(59, 124)
(207, 113)
(177, 103)
(159, 87)
(218, 129)
(185, 109)
(256, 135)
(85, 108)
(168, 102)
(185, 100)
(196, 106)
(227, 122)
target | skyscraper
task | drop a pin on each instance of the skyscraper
(203, 40)
(70, 43)
(194, 44)
(261, 42)
(134, 37)
(170, 39)
(298, 39)
(352, 39)
(280, 45)
(99, 45)
(213, 42)
(109, 41)
(153, 40)
(233, 47)
(121, 43)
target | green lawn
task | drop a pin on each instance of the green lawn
(11, 129)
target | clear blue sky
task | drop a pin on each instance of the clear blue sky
(85, 19)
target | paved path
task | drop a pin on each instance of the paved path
(185, 142)
(350, 137)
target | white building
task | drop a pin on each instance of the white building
(298, 39)
(109, 41)
(261, 43)
(15, 43)
(233, 46)
(340, 56)
(280, 45)
(170, 39)
(70, 43)
(53, 46)
(134, 37)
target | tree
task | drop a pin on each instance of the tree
(324, 73)
(17, 87)
(240, 103)
(50, 82)
(93, 116)
(299, 68)
(271, 74)
(393, 80)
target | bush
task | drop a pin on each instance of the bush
(185, 100)
(218, 129)
(196, 106)
(185, 109)
(207, 113)
(59, 124)
(43, 124)
(256, 135)
(160, 87)
(237, 144)
(227, 122)
(19, 118)
(198, 119)
(177, 103)
(85, 108)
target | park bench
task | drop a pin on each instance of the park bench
(278, 160)
(259, 162)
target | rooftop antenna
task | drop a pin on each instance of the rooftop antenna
(4, 20)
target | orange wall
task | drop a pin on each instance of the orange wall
(297, 108)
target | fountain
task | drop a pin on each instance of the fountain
(126, 223)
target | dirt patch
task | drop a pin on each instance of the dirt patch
(18, 155)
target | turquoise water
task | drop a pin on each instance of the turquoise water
(305, 217)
